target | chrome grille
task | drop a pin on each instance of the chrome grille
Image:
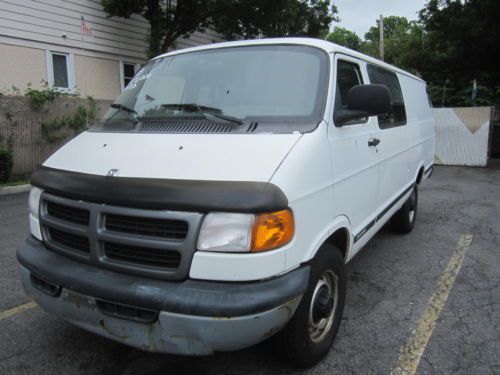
(151, 243)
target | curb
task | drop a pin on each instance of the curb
(14, 189)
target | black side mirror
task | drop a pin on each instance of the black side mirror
(364, 101)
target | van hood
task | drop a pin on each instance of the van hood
(221, 157)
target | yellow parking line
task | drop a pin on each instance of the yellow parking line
(411, 353)
(16, 310)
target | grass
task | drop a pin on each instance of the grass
(22, 181)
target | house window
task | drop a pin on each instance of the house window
(127, 73)
(60, 70)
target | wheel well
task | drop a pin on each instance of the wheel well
(340, 239)
(420, 175)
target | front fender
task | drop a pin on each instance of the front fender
(340, 222)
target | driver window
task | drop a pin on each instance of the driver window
(348, 75)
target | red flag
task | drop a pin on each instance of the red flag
(85, 29)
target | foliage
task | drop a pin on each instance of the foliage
(60, 129)
(462, 46)
(167, 20)
(14, 90)
(279, 18)
(452, 44)
(6, 165)
(344, 37)
(403, 41)
(38, 97)
(170, 20)
(16, 182)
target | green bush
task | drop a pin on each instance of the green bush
(38, 98)
(59, 129)
(6, 165)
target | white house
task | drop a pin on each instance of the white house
(42, 40)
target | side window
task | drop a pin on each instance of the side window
(348, 75)
(397, 115)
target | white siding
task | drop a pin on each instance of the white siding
(46, 21)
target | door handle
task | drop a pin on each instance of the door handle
(373, 142)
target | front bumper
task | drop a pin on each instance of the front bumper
(192, 317)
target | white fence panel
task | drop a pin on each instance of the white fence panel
(462, 135)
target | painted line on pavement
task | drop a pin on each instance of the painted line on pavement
(16, 310)
(411, 353)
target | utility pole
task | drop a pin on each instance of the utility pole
(381, 44)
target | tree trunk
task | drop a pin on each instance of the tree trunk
(155, 32)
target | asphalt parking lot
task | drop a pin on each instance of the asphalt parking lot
(425, 292)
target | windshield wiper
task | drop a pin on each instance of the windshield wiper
(204, 110)
(122, 108)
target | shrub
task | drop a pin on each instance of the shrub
(6, 165)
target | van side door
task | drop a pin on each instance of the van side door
(393, 142)
(354, 161)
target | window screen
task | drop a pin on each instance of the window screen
(60, 70)
(397, 115)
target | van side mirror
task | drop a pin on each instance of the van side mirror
(364, 101)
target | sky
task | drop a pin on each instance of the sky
(360, 15)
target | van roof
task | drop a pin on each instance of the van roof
(312, 42)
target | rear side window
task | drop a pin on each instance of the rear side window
(348, 76)
(397, 115)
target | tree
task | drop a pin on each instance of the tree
(278, 18)
(403, 42)
(462, 44)
(453, 44)
(170, 20)
(344, 37)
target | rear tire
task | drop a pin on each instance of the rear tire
(404, 219)
(310, 333)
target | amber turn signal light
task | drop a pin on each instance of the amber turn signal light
(272, 230)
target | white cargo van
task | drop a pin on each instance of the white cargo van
(219, 198)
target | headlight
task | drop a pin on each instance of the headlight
(34, 207)
(226, 232)
(34, 201)
(246, 232)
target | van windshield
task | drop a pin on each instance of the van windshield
(255, 83)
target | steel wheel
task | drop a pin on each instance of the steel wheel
(323, 305)
(411, 204)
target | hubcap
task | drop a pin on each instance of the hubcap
(323, 305)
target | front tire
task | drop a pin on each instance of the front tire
(310, 333)
(404, 219)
